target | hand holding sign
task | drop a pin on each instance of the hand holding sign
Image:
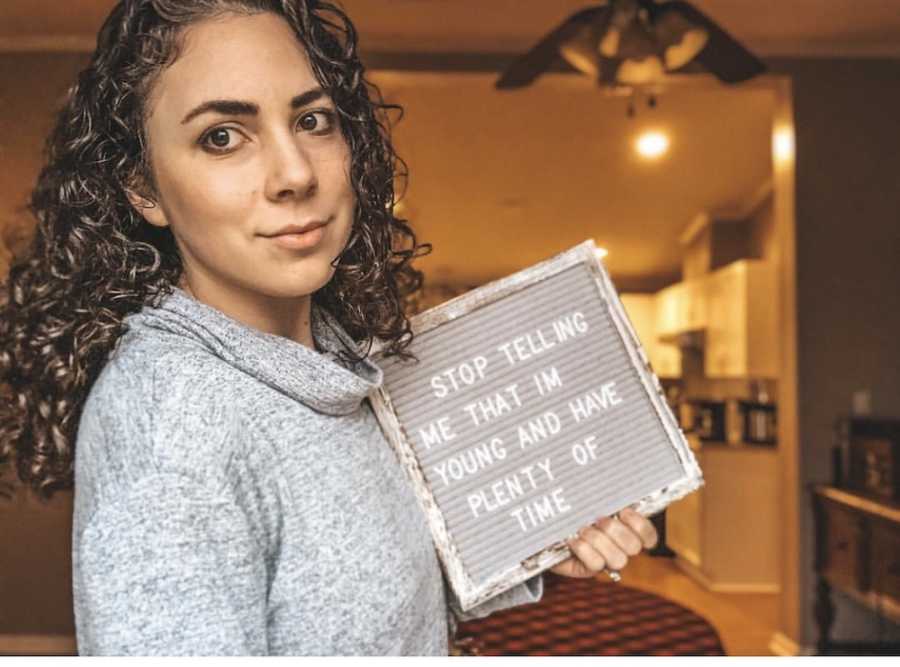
(607, 543)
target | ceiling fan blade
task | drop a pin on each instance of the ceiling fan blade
(726, 58)
(545, 54)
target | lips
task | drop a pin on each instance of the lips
(299, 229)
(311, 236)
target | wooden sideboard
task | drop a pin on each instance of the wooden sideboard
(857, 553)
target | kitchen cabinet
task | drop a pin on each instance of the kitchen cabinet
(681, 307)
(741, 321)
(666, 360)
(736, 307)
(725, 534)
(670, 310)
(642, 312)
(695, 304)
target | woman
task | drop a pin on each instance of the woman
(187, 343)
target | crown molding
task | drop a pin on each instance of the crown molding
(744, 209)
(805, 49)
(473, 58)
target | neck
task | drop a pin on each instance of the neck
(288, 317)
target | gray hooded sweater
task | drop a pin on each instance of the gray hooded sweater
(234, 494)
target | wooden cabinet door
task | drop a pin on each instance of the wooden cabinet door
(670, 319)
(885, 560)
(741, 321)
(843, 541)
(642, 311)
(695, 303)
(669, 310)
(667, 360)
(725, 348)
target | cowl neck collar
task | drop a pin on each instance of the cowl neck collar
(321, 380)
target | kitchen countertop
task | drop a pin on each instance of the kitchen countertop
(697, 444)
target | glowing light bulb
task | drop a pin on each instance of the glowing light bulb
(652, 144)
(601, 252)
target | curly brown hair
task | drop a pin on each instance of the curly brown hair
(93, 260)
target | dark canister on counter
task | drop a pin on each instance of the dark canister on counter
(709, 420)
(760, 422)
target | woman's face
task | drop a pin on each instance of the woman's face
(242, 143)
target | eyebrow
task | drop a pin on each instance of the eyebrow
(244, 108)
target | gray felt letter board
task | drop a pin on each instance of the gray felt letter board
(531, 412)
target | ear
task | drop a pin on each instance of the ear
(151, 211)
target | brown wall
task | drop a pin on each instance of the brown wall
(848, 273)
(35, 569)
(31, 85)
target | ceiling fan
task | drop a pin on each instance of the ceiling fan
(632, 43)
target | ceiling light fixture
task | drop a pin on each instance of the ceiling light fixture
(635, 43)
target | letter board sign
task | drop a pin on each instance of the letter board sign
(532, 411)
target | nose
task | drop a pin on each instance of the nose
(292, 171)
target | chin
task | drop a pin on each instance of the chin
(309, 282)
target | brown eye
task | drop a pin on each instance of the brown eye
(309, 122)
(219, 137)
(217, 140)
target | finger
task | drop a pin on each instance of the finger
(572, 567)
(623, 535)
(592, 559)
(612, 553)
(640, 525)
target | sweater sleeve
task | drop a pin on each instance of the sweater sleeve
(529, 591)
(169, 568)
